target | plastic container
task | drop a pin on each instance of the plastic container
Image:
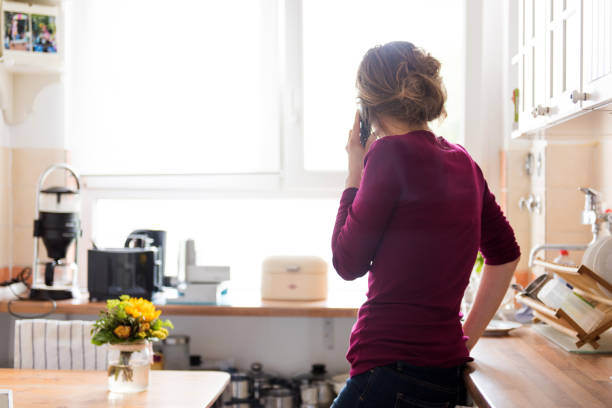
(557, 295)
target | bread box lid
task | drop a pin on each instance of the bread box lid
(296, 264)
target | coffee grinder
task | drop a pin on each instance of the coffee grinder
(58, 225)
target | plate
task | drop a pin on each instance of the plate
(588, 259)
(500, 327)
(602, 261)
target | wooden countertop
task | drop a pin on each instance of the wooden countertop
(244, 307)
(66, 388)
(525, 369)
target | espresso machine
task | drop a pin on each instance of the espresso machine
(58, 226)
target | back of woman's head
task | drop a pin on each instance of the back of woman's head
(401, 81)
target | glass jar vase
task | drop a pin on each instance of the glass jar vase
(129, 365)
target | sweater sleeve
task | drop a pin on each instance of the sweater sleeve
(365, 212)
(497, 242)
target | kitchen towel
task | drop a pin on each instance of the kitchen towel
(56, 344)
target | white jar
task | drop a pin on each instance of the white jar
(557, 295)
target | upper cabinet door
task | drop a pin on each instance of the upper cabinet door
(597, 52)
(563, 57)
(533, 109)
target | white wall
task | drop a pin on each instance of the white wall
(284, 345)
(484, 98)
(42, 97)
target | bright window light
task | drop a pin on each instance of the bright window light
(235, 232)
(173, 87)
(336, 36)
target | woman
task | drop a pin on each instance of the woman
(415, 212)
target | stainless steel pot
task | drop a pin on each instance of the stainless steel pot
(279, 398)
(240, 386)
(317, 393)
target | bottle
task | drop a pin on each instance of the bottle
(564, 259)
(557, 295)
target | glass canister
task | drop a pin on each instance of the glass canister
(176, 352)
(129, 366)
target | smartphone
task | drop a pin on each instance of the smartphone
(365, 128)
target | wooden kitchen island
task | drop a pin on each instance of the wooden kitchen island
(525, 369)
(72, 388)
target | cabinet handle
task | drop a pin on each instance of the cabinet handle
(522, 203)
(576, 96)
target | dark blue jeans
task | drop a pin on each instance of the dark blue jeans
(401, 385)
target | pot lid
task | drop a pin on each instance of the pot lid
(58, 190)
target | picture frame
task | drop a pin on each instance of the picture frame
(6, 399)
(31, 34)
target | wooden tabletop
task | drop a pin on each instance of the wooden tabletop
(243, 306)
(65, 389)
(525, 369)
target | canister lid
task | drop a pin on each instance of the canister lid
(176, 339)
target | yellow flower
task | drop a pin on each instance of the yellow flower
(149, 316)
(159, 334)
(142, 309)
(144, 327)
(133, 311)
(123, 332)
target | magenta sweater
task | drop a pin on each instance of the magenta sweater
(416, 223)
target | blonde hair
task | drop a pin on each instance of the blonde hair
(401, 81)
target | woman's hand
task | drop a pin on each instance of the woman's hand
(356, 152)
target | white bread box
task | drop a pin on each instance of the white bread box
(294, 278)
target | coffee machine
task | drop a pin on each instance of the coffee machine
(137, 269)
(58, 226)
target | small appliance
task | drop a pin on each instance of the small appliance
(58, 225)
(135, 270)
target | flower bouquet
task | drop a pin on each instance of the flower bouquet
(128, 325)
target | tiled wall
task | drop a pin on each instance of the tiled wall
(28, 164)
(516, 184)
(5, 203)
(577, 154)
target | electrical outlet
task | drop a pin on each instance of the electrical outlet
(328, 333)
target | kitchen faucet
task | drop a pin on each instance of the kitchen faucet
(591, 215)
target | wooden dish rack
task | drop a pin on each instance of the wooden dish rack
(586, 283)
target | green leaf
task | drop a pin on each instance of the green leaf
(112, 303)
(156, 325)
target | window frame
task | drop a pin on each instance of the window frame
(292, 180)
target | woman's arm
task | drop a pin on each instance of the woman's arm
(493, 286)
(366, 205)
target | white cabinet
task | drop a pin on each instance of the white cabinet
(597, 52)
(531, 65)
(564, 59)
(563, 56)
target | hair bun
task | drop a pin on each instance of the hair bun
(403, 81)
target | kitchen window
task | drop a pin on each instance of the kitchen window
(197, 117)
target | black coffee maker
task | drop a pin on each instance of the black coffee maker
(137, 269)
(58, 226)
